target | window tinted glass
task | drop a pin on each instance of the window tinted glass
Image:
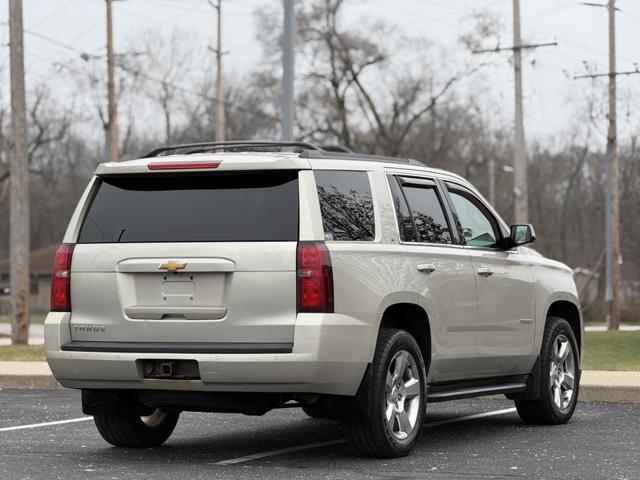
(428, 215)
(346, 205)
(405, 223)
(189, 208)
(477, 226)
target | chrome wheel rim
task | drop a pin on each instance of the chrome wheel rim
(562, 372)
(155, 419)
(402, 392)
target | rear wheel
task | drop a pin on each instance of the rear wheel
(133, 428)
(397, 399)
(559, 377)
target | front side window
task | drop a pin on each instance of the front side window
(346, 205)
(478, 228)
(426, 213)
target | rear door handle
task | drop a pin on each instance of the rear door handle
(426, 268)
(484, 272)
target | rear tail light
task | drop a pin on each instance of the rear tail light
(315, 278)
(61, 279)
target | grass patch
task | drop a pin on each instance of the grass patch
(612, 351)
(603, 351)
(24, 353)
(36, 318)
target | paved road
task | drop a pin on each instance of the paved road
(601, 442)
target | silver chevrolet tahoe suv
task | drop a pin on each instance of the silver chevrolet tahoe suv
(246, 276)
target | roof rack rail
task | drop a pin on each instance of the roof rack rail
(231, 145)
(335, 148)
(318, 154)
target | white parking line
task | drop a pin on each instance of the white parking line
(271, 453)
(309, 446)
(470, 417)
(46, 424)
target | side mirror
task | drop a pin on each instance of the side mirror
(521, 235)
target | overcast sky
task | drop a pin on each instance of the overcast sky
(581, 32)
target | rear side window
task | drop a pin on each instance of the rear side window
(246, 207)
(428, 219)
(346, 205)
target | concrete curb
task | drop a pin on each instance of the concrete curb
(29, 382)
(595, 386)
(607, 393)
(27, 375)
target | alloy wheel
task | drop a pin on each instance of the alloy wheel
(562, 372)
(402, 392)
(155, 418)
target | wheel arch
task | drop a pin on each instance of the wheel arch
(413, 319)
(570, 312)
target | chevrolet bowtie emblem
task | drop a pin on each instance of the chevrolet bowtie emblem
(172, 266)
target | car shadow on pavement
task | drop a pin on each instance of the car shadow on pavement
(222, 440)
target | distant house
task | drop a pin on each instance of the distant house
(40, 282)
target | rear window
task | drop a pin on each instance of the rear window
(252, 207)
(346, 205)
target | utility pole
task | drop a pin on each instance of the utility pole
(113, 106)
(521, 202)
(19, 193)
(613, 254)
(288, 71)
(220, 120)
(492, 181)
(612, 296)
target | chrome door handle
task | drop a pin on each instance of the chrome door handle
(484, 272)
(426, 268)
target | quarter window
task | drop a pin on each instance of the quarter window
(346, 205)
(477, 227)
(405, 222)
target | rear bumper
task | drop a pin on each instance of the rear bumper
(330, 355)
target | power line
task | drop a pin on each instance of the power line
(519, 47)
(614, 74)
(52, 14)
(189, 91)
(633, 17)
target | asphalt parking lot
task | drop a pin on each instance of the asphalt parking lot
(601, 442)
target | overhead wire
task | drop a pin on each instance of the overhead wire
(55, 12)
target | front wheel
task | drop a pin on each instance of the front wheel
(397, 396)
(559, 377)
(132, 428)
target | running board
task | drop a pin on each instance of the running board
(470, 392)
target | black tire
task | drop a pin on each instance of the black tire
(544, 410)
(128, 429)
(316, 410)
(372, 436)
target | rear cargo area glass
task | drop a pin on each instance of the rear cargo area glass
(246, 207)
